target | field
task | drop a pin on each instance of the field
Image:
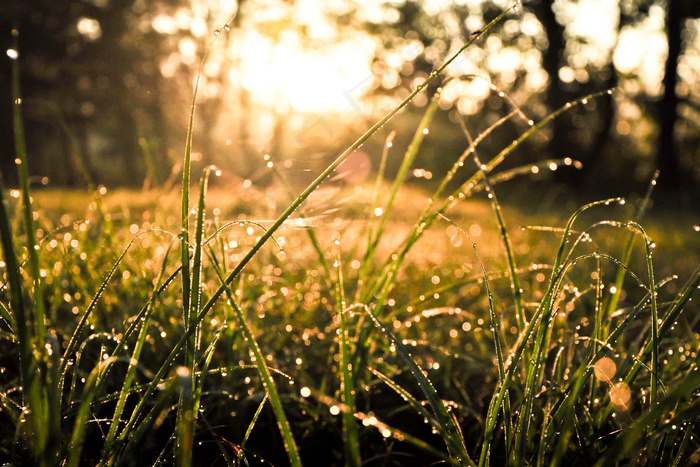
(472, 323)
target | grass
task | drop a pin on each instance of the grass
(403, 328)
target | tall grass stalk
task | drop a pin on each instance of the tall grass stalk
(409, 157)
(347, 381)
(41, 398)
(259, 360)
(452, 434)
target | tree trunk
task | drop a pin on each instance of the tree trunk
(666, 156)
(556, 96)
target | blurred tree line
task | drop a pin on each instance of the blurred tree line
(107, 83)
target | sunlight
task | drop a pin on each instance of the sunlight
(286, 73)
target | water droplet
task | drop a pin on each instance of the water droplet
(227, 28)
(217, 32)
(13, 54)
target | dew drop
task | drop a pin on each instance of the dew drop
(13, 54)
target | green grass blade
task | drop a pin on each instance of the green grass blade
(30, 231)
(683, 297)
(408, 159)
(452, 434)
(496, 330)
(408, 397)
(187, 417)
(186, 420)
(382, 284)
(627, 254)
(23, 327)
(44, 419)
(249, 430)
(679, 402)
(351, 439)
(540, 319)
(505, 239)
(266, 377)
(143, 433)
(135, 356)
(75, 448)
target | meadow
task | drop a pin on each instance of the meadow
(377, 324)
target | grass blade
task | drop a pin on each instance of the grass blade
(452, 434)
(269, 384)
(351, 439)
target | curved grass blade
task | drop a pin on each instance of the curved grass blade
(241, 449)
(452, 434)
(30, 231)
(495, 327)
(75, 448)
(408, 397)
(408, 159)
(382, 284)
(678, 401)
(268, 383)
(627, 254)
(683, 297)
(136, 354)
(388, 431)
(154, 418)
(539, 319)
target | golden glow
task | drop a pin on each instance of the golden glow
(285, 73)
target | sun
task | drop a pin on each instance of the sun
(321, 79)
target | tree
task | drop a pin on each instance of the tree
(667, 157)
(90, 78)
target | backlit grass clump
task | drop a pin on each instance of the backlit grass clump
(216, 338)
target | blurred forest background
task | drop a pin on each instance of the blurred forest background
(107, 85)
